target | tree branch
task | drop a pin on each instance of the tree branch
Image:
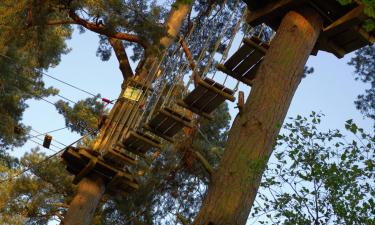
(122, 57)
(182, 219)
(100, 29)
(207, 166)
(60, 22)
(190, 59)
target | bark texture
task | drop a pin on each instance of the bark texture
(83, 206)
(234, 186)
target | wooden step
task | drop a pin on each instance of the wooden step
(167, 123)
(139, 143)
(206, 97)
(244, 64)
(118, 158)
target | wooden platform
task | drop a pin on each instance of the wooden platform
(139, 143)
(82, 162)
(167, 123)
(206, 97)
(342, 32)
(244, 64)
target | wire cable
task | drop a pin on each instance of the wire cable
(47, 75)
(41, 162)
(43, 146)
(49, 133)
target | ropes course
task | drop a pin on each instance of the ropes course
(157, 105)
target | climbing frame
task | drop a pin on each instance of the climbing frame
(206, 97)
(244, 64)
(168, 122)
(342, 25)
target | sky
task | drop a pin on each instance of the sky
(331, 90)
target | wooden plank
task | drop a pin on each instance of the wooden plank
(213, 104)
(254, 45)
(195, 110)
(204, 99)
(182, 113)
(248, 63)
(250, 74)
(156, 132)
(224, 69)
(174, 116)
(118, 156)
(357, 43)
(350, 19)
(238, 56)
(217, 88)
(271, 13)
(137, 141)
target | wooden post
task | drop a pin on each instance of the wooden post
(234, 186)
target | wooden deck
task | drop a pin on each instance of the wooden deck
(342, 32)
(82, 162)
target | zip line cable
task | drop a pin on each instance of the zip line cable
(56, 79)
(40, 139)
(49, 132)
(41, 162)
(40, 134)
(43, 146)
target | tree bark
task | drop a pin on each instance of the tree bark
(234, 186)
(83, 206)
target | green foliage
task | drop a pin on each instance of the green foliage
(83, 117)
(364, 64)
(21, 45)
(369, 10)
(38, 196)
(319, 177)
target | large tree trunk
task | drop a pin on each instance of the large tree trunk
(123, 116)
(251, 139)
(83, 206)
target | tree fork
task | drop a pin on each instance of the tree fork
(234, 186)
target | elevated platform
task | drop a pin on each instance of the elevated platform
(244, 64)
(139, 143)
(342, 31)
(206, 97)
(83, 162)
(168, 122)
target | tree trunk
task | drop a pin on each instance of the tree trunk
(234, 186)
(83, 206)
